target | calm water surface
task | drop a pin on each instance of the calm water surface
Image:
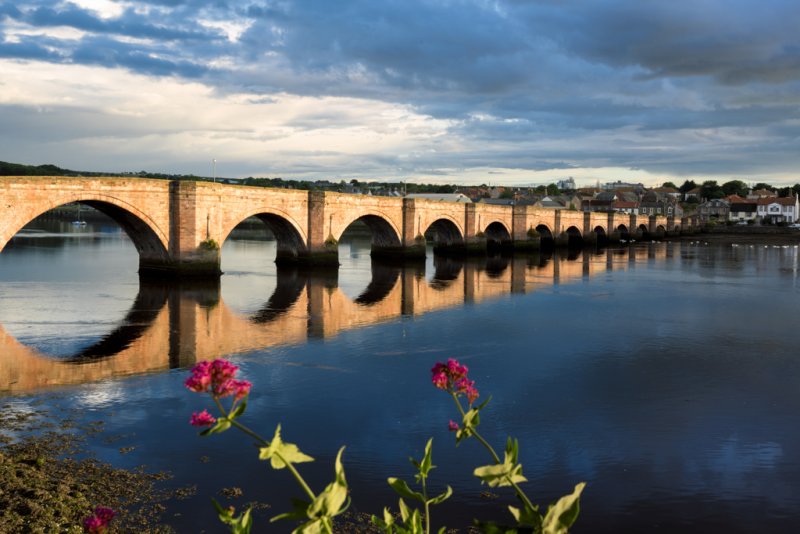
(665, 375)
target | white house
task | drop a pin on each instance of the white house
(777, 209)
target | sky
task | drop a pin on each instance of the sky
(505, 92)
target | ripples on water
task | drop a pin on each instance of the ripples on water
(664, 375)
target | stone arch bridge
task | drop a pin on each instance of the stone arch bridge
(178, 226)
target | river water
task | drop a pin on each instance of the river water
(665, 375)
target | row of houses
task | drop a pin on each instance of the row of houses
(766, 209)
(662, 201)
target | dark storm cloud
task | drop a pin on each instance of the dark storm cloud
(129, 24)
(28, 49)
(110, 53)
(430, 50)
(733, 41)
(506, 72)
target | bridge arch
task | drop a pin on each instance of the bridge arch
(546, 236)
(445, 234)
(660, 231)
(150, 240)
(290, 238)
(642, 231)
(572, 236)
(497, 235)
(384, 232)
(600, 234)
(622, 231)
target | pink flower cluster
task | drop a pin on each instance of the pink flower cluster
(217, 377)
(202, 419)
(452, 377)
(97, 523)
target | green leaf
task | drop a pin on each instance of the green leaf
(500, 475)
(238, 410)
(403, 490)
(527, 517)
(404, 512)
(322, 525)
(299, 511)
(442, 497)
(330, 502)
(492, 528)
(386, 523)
(280, 453)
(427, 464)
(562, 515)
(222, 425)
(239, 525)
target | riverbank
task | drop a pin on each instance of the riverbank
(50, 483)
(746, 235)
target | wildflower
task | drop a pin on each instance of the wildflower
(456, 369)
(222, 370)
(218, 378)
(440, 380)
(202, 419)
(241, 389)
(97, 523)
(452, 377)
(452, 426)
(200, 380)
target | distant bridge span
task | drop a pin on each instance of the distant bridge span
(178, 226)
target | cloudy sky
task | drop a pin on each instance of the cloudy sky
(454, 91)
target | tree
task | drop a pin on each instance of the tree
(710, 190)
(669, 184)
(687, 186)
(735, 187)
(552, 189)
(762, 185)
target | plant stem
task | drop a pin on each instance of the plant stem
(521, 494)
(427, 507)
(261, 440)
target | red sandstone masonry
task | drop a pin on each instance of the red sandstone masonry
(168, 221)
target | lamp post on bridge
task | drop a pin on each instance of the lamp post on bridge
(214, 169)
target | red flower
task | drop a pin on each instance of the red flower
(452, 377)
(202, 419)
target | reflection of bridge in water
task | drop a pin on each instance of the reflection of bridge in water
(175, 325)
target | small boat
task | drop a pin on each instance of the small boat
(79, 221)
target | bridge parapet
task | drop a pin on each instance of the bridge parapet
(178, 227)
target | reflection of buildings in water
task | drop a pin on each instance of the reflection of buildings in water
(174, 325)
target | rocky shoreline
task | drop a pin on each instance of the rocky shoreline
(49, 482)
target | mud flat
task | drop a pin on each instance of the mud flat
(50, 483)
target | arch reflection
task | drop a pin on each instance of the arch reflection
(175, 325)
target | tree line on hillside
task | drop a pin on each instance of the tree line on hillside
(709, 189)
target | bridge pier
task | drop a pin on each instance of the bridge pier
(415, 251)
(179, 226)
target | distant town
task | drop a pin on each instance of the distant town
(732, 202)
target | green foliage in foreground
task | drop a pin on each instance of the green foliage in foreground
(315, 511)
